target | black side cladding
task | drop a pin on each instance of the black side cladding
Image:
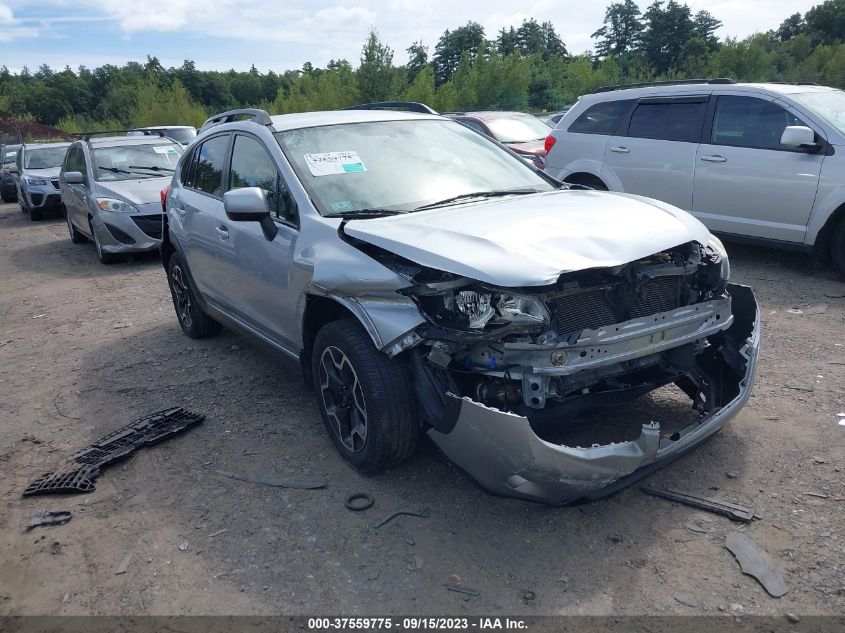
(117, 445)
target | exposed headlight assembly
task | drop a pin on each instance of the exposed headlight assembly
(116, 206)
(475, 308)
(717, 245)
(36, 182)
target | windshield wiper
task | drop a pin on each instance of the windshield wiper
(150, 167)
(477, 194)
(364, 213)
(114, 170)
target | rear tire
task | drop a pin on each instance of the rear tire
(365, 398)
(193, 321)
(837, 247)
(587, 180)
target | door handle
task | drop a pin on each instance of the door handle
(223, 231)
(621, 149)
(715, 158)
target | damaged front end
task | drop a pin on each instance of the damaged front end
(518, 386)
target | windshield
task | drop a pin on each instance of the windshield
(10, 156)
(518, 129)
(44, 158)
(400, 165)
(134, 162)
(828, 105)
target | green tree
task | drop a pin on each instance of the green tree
(417, 60)
(667, 31)
(621, 32)
(452, 45)
(375, 74)
(422, 89)
(826, 21)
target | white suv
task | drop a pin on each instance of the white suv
(759, 162)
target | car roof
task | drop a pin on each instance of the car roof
(163, 127)
(703, 87)
(486, 115)
(128, 140)
(283, 122)
(42, 145)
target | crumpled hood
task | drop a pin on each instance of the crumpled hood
(143, 191)
(530, 240)
(47, 172)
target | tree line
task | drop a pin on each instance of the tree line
(525, 67)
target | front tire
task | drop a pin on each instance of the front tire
(837, 247)
(75, 235)
(194, 322)
(103, 256)
(365, 398)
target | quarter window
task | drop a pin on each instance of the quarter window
(211, 157)
(252, 166)
(669, 121)
(601, 118)
(750, 122)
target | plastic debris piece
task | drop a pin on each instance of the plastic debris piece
(754, 561)
(274, 483)
(49, 518)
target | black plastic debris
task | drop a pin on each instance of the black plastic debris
(117, 445)
(49, 518)
(718, 506)
(69, 481)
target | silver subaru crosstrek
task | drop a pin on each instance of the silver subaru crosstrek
(428, 280)
(111, 189)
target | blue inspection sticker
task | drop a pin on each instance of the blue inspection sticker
(342, 205)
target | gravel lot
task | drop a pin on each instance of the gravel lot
(86, 348)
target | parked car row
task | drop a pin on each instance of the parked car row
(437, 275)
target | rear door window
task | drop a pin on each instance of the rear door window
(211, 159)
(669, 120)
(601, 118)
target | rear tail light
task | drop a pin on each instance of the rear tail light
(164, 198)
(550, 142)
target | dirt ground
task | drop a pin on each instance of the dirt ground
(86, 348)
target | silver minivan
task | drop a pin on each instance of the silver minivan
(755, 162)
(111, 189)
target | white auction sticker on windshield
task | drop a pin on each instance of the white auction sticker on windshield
(330, 163)
(164, 149)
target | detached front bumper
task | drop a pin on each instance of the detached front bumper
(503, 454)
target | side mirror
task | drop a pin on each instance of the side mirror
(799, 137)
(74, 177)
(249, 204)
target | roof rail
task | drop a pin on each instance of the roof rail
(86, 136)
(256, 116)
(412, 106)
(673, 82)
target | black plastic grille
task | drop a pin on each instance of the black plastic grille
(598, 307)
(55, 183)
(149, 224)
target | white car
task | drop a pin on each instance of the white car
(758, 162)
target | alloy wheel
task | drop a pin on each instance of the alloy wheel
(181, 296)
(343, 398)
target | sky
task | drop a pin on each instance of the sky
(223, 34)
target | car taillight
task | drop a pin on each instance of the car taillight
(164, 198)
(550, 142)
